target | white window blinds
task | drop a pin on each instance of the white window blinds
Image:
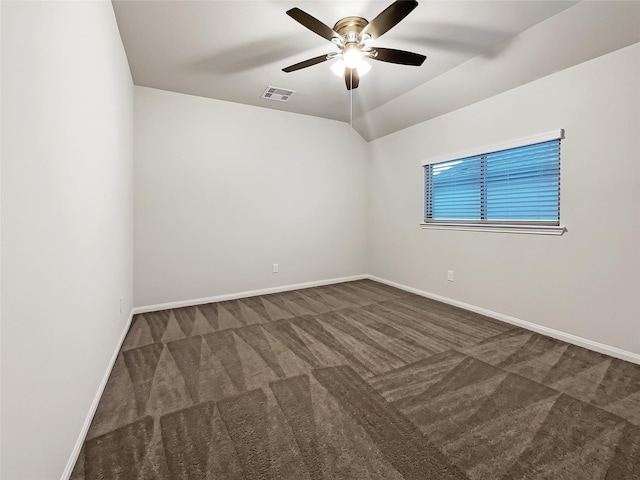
(519, 185)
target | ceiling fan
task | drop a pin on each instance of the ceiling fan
(351, 35)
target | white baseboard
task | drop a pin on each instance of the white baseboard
(550, 332)
(248, 293)
(94, 405)
(565, 337)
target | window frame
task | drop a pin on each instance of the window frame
(511, 226)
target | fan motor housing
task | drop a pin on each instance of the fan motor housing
(350, 27)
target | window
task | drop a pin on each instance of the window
(516, 184)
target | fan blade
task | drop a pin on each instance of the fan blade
(306, 63)
(399, 56)
(351, 78)
(389, 17)
(312, 23)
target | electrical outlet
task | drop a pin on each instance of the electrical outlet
(450, 275)
(275, 268)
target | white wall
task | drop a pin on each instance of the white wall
(585, 283)
(67, 223)
(223, 191)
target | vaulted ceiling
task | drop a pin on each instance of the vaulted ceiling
(233, 50)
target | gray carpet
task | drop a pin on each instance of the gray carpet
(357, 381)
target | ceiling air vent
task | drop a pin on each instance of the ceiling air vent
(279, 94)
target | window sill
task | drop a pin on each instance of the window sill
(497, 228)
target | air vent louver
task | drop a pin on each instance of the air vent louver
(277, 93)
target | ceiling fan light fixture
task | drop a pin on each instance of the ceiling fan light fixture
(363, 67)
(338, 67)
(352, 56)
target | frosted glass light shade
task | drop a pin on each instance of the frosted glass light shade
(352, 57)
(339, 66)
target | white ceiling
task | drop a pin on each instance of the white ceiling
(233, 50)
